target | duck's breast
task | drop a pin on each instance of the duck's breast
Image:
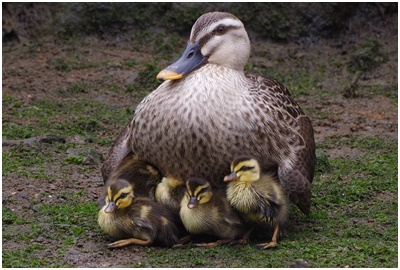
(197, 125)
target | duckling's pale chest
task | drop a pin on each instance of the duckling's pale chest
(242, 197)
(194, 220)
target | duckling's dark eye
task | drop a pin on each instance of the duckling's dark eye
(244, 168)
(203, 190)
(123, 195)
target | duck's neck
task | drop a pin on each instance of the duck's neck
(210, 79)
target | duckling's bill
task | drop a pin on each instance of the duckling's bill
(190, 60)
(231, 177)
(110, 207)
(193, 202)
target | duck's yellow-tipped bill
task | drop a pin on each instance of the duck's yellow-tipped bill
(189, 61)
(168, 75)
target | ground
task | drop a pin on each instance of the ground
(64, 103)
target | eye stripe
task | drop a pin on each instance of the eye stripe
(206, 23)
(203, 40)
(123, 196)
(126, 190)
(246, 168)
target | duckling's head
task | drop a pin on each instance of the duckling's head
(198, 191)
(216, 37)
(119, 195)
(245, 169)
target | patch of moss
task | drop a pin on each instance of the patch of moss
(366, 57)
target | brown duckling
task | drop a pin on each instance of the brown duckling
(142, 175)
(204, 211)
(170, 193)
(136, 220)
(259, 198)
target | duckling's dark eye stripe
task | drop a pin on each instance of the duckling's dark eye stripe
(203, 190)
(246, 168)
(122, 196)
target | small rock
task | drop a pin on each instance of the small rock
(90, 156)
(300, 263)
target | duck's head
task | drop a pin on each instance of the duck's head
(216, 37)
(244, 169)
(119, 195)
(199, 191)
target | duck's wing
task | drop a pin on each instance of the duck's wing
(294, 136)
(119, 150)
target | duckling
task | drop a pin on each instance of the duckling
(142, 175)
(170, 193)
(204, 211)
(136, 220)
(259, 198)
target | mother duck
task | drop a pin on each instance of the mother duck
(208, 110)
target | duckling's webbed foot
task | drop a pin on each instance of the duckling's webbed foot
(130, 241)
(214, 244)
(179, 245)
(184, 241)
(274, 241)
(238, 242)
(271, 244)
(244, 240)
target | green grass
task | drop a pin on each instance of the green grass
(23, 258)
(66, 222)
(299, 83)
(15, 161)
(88, 117)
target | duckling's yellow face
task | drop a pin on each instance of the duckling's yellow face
(244, 170)
(198, 192)
(118, 198)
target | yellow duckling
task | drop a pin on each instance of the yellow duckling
(170, 193)
(204, 211)
(139, 221)
(259, 198)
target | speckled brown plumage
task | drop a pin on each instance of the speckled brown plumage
(196, 125)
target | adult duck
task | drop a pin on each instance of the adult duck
(208, 111)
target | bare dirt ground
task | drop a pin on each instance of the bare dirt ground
(29, 75)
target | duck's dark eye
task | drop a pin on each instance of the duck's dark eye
(220, 29)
